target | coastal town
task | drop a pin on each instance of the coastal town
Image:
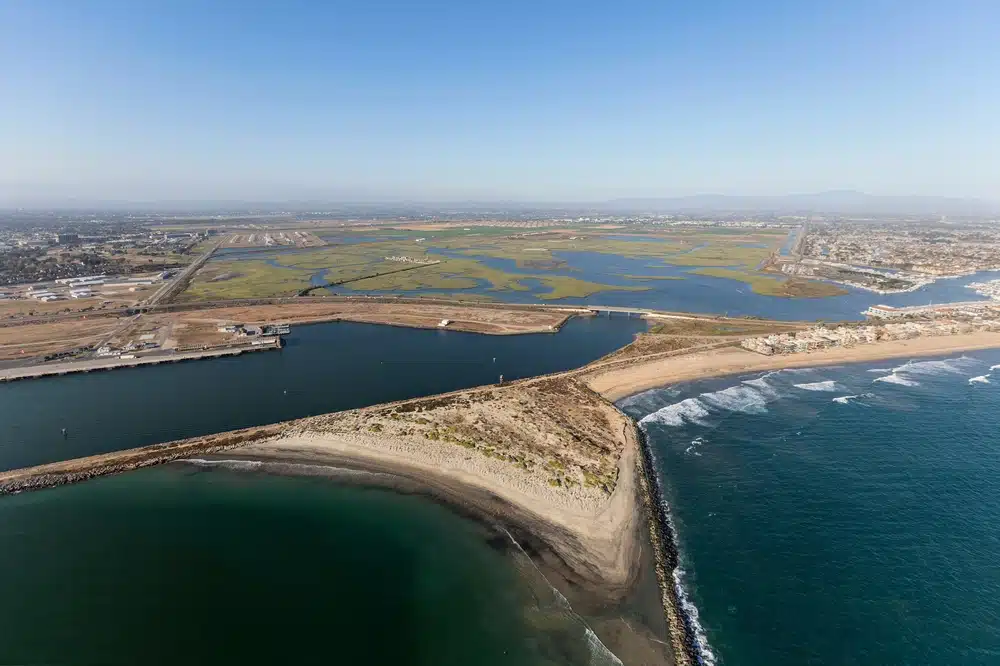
(885, 324)
(892, 257)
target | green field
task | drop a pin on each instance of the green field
(772, 286)
(365, 266)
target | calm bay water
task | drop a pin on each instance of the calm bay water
(845, 515)
(182, 563)
(323, 368)
(176, 565)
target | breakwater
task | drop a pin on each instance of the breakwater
(683, 630)
(81, 469)
(94, 365)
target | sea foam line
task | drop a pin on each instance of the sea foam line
(599, 652)
(846, 399)
(896, 379)
(687, 609)
(819, 386)
(690, 410)
(232, 464)
(981, 379)
(740, 398)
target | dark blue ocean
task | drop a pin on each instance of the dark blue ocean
(843, 515)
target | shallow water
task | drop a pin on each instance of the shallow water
(181, 565)
(846, 515)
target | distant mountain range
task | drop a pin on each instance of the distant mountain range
(847, 202)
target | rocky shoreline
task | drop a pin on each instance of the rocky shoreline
(683, 635)
(117, 462)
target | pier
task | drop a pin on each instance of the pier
(94, 365)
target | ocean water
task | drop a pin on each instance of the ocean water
(179, 564)
(843, 515)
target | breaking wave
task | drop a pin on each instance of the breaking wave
(846, 399)
(691, 612)
(741, 398)
(761, 384)
(897, 379)
(880, 370)
(948, 366)
(647, 401)
(904, 374)
(819, 386)
(981, 379)
(686, 411)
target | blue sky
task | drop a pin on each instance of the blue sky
(547, 100)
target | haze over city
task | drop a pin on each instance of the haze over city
(517, 101)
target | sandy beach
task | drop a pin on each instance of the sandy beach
(617, 381)
(546, 463)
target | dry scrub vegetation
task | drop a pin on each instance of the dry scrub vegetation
(556, 427)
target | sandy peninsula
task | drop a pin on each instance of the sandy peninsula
(549, 463)
(546, 462)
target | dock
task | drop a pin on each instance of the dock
(99, 364)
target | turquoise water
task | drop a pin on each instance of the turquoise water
(846, 515)
(175, 565)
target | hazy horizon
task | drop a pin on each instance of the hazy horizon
(382, 101)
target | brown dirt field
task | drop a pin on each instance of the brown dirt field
(41, 339)
(482, 320)
(20, 309)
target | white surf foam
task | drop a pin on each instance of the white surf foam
(879, 370)
(897, 379)
(846, 399)
(952, 366)
(690, 410)
(740, 398)
(647, 401)
(688, 610)
(981, 379)
(695, 443)
(819, 386)
(691, 613)
(232, 464)
(762, 385)
(994, 367)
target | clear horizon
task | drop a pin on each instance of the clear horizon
(387, 102)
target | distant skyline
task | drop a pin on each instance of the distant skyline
(515, 101)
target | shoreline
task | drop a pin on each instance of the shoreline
(636, 376)
(588, 543)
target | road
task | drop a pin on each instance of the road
(179, 283)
